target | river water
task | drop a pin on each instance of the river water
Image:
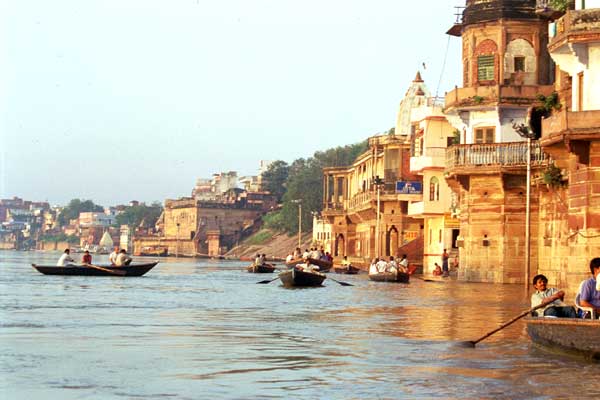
(193, 329)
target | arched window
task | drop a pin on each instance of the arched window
(485, 61)
(434, 189)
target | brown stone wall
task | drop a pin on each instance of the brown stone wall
(492, 223)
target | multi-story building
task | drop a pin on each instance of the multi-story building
(506, 66)
(432, 134)
(365, 204)
(570, 200)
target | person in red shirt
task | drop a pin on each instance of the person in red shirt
(87, 258)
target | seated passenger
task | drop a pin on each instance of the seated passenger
(65, 259)
(258, 260)
(381, 266)
(87, 258)
(438, 270)
(403, 264)
(123, 259)
(373, 267)
(289, 258)
(392, 266)
(590, 288)
(555, 309)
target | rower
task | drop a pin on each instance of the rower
(65, 259)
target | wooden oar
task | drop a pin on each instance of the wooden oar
(340, 282)
(110, 271)
(268, 281)
(544, 303)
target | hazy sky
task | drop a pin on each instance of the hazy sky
(114, 100)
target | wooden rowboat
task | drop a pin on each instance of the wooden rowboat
(346, 269)
(154, 251)
(296, 277)
(324, 265)
(400, 277)
(261, 269)
(96, 270)
(572, 335)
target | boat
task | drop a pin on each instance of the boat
(571, 335)
(96, 270)
(400, 277)
(297, 277)
(154, 251)
(324, 265)
(261, 269)
(346, 269)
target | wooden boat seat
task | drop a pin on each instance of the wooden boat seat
(582, 308)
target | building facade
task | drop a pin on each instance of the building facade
(432, 134)
(506, 66)
(570, 196)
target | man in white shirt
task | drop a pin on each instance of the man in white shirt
(112, 257)
(65, 259)
(403, 264)
(123, 259)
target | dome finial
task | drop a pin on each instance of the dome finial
(418, 78)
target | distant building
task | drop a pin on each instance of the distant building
(96, 219)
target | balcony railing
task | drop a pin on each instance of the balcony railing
(481, 95)
(582, 23)
(569, 121)
(494, 154)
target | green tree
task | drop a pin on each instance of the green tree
(75, 207)
(305, 183)
(274, 178)
(134, 215)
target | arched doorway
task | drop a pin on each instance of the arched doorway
(340, 245)
(391, 240)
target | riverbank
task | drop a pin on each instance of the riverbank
(275, 245)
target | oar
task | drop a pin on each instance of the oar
(544, 303)
(268, 281)
(110, 271)
(340, 282)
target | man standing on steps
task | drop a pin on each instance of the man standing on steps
(445, 258)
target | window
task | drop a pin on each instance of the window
(434, 189)
(485, 68)
(484, 135)
(519, 64)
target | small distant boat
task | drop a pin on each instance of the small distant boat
(324, 265)
(96, 270)
(346, 269)
(154, 251)
(399, 277)
(572, 335)
(261, 269)
(297, 277)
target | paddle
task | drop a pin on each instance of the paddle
(267, 281)
(340, 282)
(544, 303)
(110, 271)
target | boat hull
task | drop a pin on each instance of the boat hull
(324, 266)
(297, 278)
(260, 269)
(572, 335)
(347, 270)
(400, 277)
(130, 270)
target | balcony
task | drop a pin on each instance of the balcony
(570, 125)
(576, 26)
(494, 157)
(421, 209)
(434, 157)
(480, 96)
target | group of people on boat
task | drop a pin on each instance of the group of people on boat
(118, 258)
(588, 296)
(380, 266)
(260, 259)
(314, 253)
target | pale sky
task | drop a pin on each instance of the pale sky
(115, 100)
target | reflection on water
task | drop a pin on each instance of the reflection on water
(201, 328)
